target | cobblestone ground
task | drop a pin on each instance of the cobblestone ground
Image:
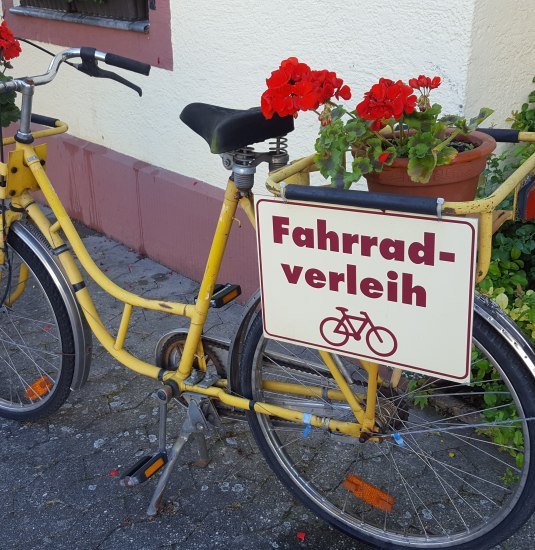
(58, 477)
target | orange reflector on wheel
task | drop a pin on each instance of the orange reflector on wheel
(39, 388)
(369, 493)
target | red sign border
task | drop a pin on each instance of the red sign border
(378, 213)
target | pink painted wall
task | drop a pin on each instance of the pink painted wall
(159, 213)
(154, 48)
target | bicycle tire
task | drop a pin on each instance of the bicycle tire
(38, 354)
(293, 468)
(333, 342)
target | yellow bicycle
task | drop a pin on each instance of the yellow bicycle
(391, 458)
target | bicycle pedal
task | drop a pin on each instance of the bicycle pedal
(144, 469)
(223, 294)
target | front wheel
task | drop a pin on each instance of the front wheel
(453, 466)
(37, 352)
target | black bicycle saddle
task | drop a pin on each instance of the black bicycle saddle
(230, 129)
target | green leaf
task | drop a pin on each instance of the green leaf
(450, 120)
(337, 112)
(421, 169)
(502, 300)
(357, 126)
(519, 278)
(483, 114)
(362, 164)
(446, 155)
(9, 114)
(420, 147)
(490, 399)
(515, 253)
(351, 177)
(494, 269)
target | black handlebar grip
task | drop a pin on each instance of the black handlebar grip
(128, 64)
(365, 199)
(505, 136)
(44, 120)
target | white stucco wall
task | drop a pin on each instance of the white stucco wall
(223, 51)
(502, 58)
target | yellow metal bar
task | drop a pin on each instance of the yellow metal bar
(526, 136)
(348, 428)
(484, 246)
(367, 366)
(371, 397)
(215, 257)
(247, 205)
(487, 204)
(83, 297)
(274, 178)
(123, 327)
(395, 378)
(61, 128)
(342, 384)
(300, 389)
(21, 285)
(83, 256)
(491, 202)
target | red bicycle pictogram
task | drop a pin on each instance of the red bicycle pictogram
(337, 330)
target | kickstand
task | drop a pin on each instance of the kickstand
(201, 418)
(164, 478)
(204, 458)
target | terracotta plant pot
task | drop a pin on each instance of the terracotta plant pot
(454, 182)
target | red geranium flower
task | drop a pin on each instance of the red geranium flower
(9, 45)
(387, 99)
(425, 82)
(383, 157)
(294, 87)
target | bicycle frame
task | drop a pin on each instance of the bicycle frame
(25, 173)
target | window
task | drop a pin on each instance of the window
(129, 10)
(140, 29)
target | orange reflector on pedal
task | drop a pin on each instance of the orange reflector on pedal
(39, 388)
(368, 493)
(153, 468)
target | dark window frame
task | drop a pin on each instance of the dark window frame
(151, 44)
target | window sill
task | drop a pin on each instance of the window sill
(41, 13)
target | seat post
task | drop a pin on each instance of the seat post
(244, 168)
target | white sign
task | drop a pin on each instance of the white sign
(389, 287)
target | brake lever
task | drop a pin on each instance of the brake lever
(92, 69)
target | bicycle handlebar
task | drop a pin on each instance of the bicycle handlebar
(88, 56)
(127, 64)
(45, 120)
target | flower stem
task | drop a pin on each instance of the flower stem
(444, 143)
(380, 136)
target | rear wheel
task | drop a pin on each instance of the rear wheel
(36, 338)
(453, 468)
